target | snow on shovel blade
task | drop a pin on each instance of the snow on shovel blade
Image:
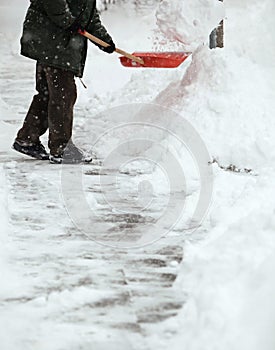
(156, 59)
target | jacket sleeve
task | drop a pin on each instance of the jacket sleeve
(59, 12)
(96, 28)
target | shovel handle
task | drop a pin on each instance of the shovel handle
(104, 44)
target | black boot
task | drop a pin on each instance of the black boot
(71, 155)
(36, 151)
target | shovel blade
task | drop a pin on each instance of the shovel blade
(156, 59)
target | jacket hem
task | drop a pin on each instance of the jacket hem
(77, 73)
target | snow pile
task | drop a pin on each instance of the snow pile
(216, 96)
(189, 22)
(229, 96)
(229, 279)
(251, 31)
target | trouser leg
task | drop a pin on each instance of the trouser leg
(36, 121)
(62, 97)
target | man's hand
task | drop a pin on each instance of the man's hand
(109, 49)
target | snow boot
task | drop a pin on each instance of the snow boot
(71, 155)
(36, 151)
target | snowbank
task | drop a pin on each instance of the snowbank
(250, 30)
(229, 280)
(226, 94)
(189, 22)
(234, 118)
(229, 96)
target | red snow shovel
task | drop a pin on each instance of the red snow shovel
(144, 59)
(156, 59)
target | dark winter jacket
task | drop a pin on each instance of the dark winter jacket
(48, 37)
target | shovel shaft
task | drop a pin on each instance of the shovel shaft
(104, 44)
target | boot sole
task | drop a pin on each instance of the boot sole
(67, 161)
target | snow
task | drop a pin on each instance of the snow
(4, 220)
(215, 88)
(189, 22)
(60, 290)
(227, 277)
(230, 99)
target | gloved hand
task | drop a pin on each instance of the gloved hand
(109, 49)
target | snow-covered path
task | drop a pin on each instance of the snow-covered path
(68, 291)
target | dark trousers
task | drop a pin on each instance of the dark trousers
(51, 108)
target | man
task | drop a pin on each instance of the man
(50, 36)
